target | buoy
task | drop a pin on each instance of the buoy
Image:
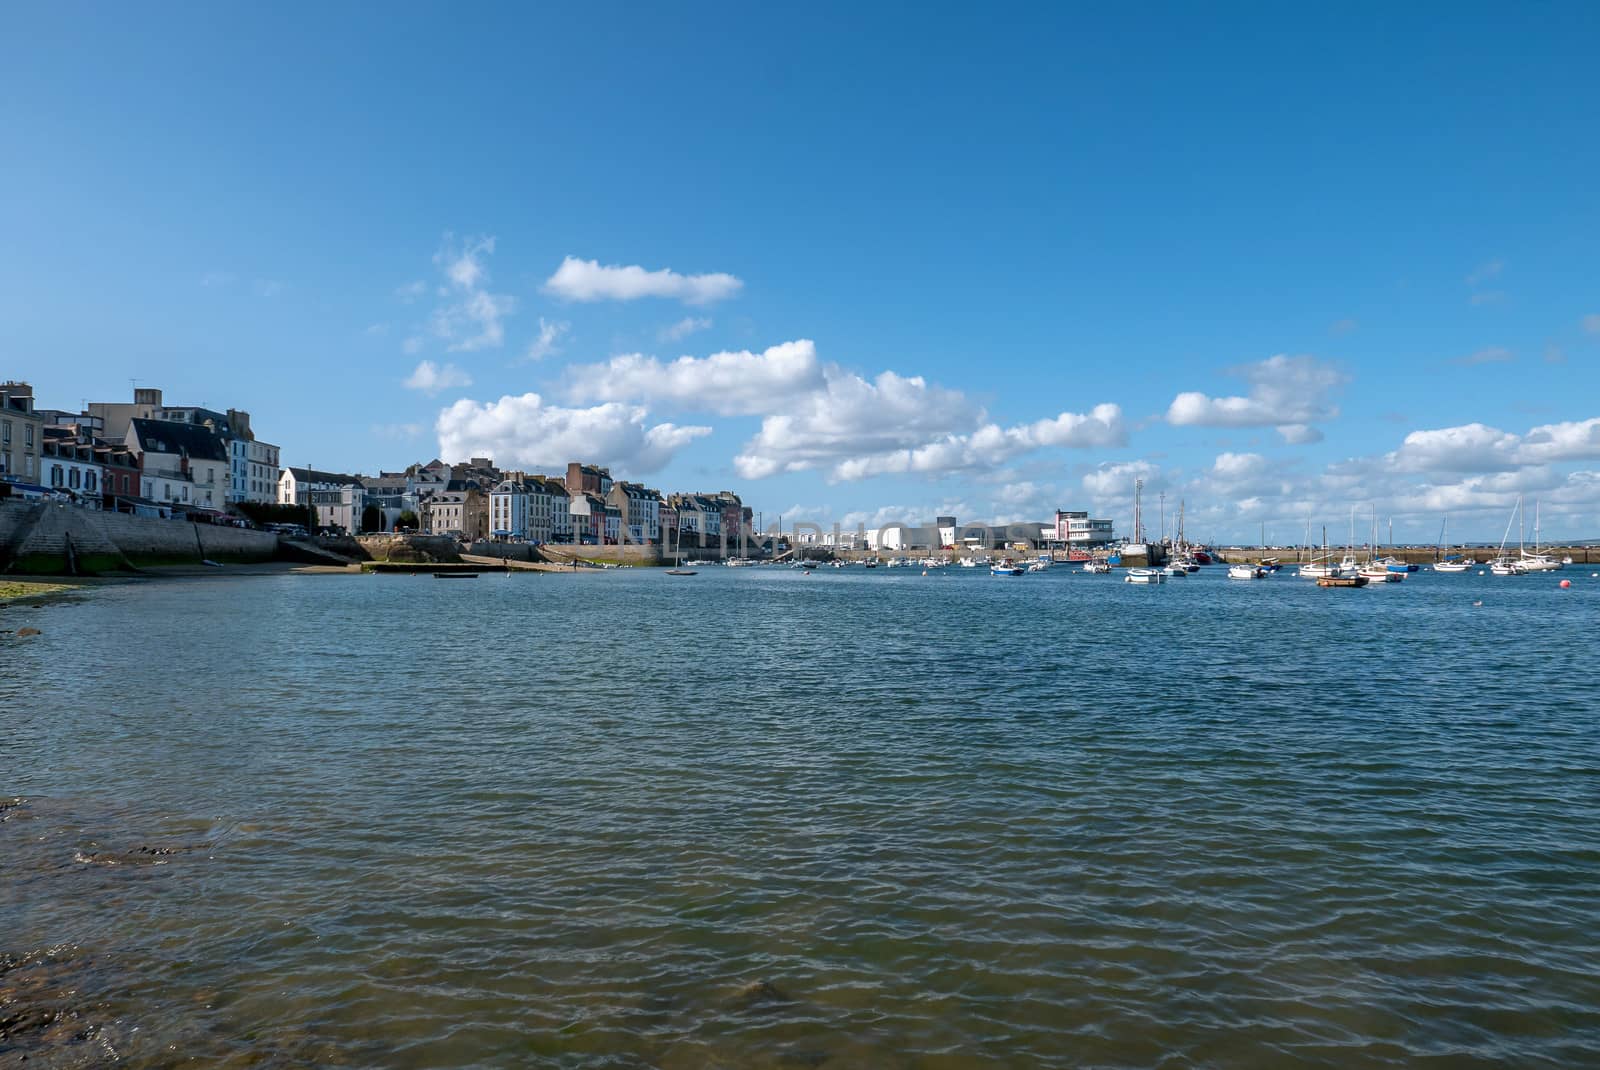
(1480, 572)
(924, 572)
(1477, 603)
(1565, 584)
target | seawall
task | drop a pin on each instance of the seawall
(49, 538)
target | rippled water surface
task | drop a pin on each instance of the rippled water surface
(755, 818)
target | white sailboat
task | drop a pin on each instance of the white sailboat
(1503, 564)
(1536, 561)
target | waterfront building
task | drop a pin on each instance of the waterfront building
(460, 509)
(68, 466)
(508, 508)
(295, 483)
(588, 479)
(639, 508)
(1078, 531)
(338, 507)
(389, 493)
(119, 481)
(252, 463)
(21, 434)
(180, 464)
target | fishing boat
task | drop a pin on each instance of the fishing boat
(1005, 568)
(1245, 572)
(969, 562)
(1097, 568)
(1144, 575)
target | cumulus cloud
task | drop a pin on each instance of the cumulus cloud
(1285, 392)
(524, 430)
(1113, 482)
(727, 383)
(1577, 440)
(1467, 448)
(677, 332)
(547, 343)
(589, 280)
(1300, 434)
(991, 445)
(431, 378)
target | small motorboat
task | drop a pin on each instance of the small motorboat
(1376, 573)
(455, 575)
(682, 572)
(1451, 566)
(1174, 572)
(1005, 568)
(1245, 572)
(1144, 575)
(1097, 568)
(1342, 581)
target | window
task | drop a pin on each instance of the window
(73, 478)
(5, 432)
(55, 475)
(89, 481)
(27, 436)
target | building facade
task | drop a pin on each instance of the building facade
(180, 464)
(21, 434)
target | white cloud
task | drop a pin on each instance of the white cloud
(1467, 448)
(410, 291)
(1484, 272)
(469, 317)
(524, 430)
(726, 383)
(431, 378)
(677, 332)
(588, 280)
(397, 431)
(1285, 392)
(1300, 434)
(546, 344)
(1114, 482)
(851, 417)
(1487, 355)
(1572, 441)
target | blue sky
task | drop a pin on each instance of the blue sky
(1280, 264)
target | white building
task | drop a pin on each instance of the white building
(179, 463)
(294, 484)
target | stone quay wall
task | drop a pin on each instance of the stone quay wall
(54, 538)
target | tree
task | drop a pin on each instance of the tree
(371, 519)
(407, 519)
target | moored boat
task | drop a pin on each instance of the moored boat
(1245, 572)
(1005, 568)
(1144, 575)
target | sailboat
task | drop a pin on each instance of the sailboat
(1374, 570)
(1536, 561)
(1503, 564)
(677, 568)
(1450, 562)
(1342, 578)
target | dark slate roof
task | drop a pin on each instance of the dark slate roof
(311, 475)
(190, 440)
